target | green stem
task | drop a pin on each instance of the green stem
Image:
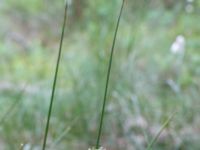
(108, 77)
(161, 130)
(55, 80)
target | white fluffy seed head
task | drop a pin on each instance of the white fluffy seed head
(178, 46)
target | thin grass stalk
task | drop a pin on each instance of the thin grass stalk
(55, 79)
(153, 141)
(63, 134)
(108, 77)
(12, 107)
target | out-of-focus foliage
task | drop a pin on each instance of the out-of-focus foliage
(148, 80)
(31, 7)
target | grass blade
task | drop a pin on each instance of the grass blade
(63, 134)
(12, 107)
(160, 131)
(55, 79)
(108, 77)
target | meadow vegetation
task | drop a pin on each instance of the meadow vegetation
(155, 72)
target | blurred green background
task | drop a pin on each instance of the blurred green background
(155, 71)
